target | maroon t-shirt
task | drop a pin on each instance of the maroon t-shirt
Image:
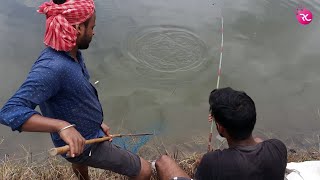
(264, 161)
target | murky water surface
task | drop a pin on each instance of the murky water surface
(156, 62)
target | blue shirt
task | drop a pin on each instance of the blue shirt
(61, 88)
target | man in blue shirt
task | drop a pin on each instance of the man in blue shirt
(59, 83)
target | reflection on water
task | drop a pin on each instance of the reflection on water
(156, 62)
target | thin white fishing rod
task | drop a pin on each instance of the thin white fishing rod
(221, 50)
(220, 63)
(218, 79)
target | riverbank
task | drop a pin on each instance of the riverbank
(57, 168)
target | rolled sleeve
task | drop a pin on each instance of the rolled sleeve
(41, 84)
(15, 119)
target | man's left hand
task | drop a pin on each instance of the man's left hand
(106, 129)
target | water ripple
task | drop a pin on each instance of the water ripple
(166, 49)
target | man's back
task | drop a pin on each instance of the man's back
(264, 161)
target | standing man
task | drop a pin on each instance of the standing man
(59, 83)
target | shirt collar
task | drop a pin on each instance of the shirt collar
(79, 56)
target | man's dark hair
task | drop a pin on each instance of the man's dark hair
(234, 110)
(86, 23)
(59, 1)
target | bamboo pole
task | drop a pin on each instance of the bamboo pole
(66, 148)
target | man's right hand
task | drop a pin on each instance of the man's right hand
(71, 136)
(74, 139)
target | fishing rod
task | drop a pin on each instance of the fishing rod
(218, 83)
(66, 148)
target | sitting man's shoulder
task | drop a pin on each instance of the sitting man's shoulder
(213, 155)
(275, 143)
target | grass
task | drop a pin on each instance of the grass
(57, 168)
(40, 166)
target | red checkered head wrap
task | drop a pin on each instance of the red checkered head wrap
(60, 33)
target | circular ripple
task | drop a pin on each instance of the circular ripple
(166, 49)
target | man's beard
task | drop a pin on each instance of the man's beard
(221, 135)
(85, 42)
(218, 131)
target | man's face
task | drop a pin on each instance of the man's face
(87, 33)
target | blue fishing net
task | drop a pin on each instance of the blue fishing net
(132, 144)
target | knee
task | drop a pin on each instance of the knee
(164, 159)
(145, 172)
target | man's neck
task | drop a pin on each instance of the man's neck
(247, 142)
(73, 53)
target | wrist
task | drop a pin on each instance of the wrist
(66, 127)
(61, 124)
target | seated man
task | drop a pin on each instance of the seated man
(246, 158)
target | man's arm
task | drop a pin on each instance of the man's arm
(42, 83)
(38, 123)
(71, 136)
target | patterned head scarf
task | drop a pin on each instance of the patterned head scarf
(60, 33)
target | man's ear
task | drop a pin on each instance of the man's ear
(79, 28)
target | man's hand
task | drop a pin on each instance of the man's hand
(106, 129)
(70, 136)
(258, 140)
(210, 118)
(74, 139)
(197, 162)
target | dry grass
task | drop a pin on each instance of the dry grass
(301, 156)
(39, 166)
(51, 168)
(58, 168)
